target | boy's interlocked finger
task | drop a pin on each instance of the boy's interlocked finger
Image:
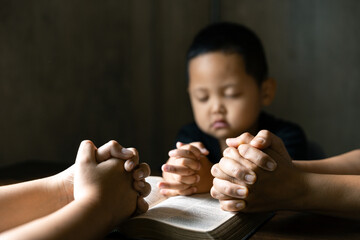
(170, 192)
(173, 185)
(192, 179)
(181, 170)
(186, 162)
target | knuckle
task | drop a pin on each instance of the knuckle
(227, 190)
(265, 132)
(113, 143)
(236, 171)
(245, 136)
(214, 171)
(86, 142)
(214, 193)
(181, 161)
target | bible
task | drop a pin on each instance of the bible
(198, 216)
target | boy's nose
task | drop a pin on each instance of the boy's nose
(218, 107)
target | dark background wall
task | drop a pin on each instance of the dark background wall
(115, 69)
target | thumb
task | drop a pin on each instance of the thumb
(86, 152)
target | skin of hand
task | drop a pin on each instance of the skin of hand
(94, 184)
(187, 170)
(103, 192)
(250, 180)
(64, 180)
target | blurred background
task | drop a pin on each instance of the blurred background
(115, 69)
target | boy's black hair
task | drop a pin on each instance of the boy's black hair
(232, 38)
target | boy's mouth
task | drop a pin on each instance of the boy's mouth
(219, 124)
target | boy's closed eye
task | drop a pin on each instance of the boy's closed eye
(232, 92)
(201, 96)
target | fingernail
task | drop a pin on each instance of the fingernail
(141, 184)
(242, 149)
(250, 178)
(239, 205)
(140, 174)
(241, 192)
(198, 166)
(258, 141)
(172, 153)
(131, 164)
(194, 190)
(197, 178)
(226, 151)
(270, 165)
(204, 151)
(166, 168)
(230, 141)
(126, 152)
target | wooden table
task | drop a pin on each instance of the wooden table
(284, 225)
(293, 225)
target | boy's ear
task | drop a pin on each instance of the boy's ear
(268, 90)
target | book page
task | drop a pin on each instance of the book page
(154, 197)
(199, 212)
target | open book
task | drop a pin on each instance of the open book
(189, 217)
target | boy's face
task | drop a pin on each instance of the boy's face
(225, 100)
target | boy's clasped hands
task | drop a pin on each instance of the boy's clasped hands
(187, 171)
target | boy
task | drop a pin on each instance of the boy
(329, 186)
(228, 86)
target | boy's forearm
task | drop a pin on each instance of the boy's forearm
(336, 195)
(26, 201)
(77, 220)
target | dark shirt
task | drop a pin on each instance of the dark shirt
(291, 134)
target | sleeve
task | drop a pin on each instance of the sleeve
(192, 133)
(188, 133)
(295, 141)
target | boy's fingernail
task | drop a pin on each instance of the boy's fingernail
(258, 141)
(227, 151)
(230, 141)
(241, 192)
(242, 149)
(239, 205)
(172, 153)
(250, 178)
(141, 184)
(194, 190)
(126, 152)
(166, 168)
(270, 165)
